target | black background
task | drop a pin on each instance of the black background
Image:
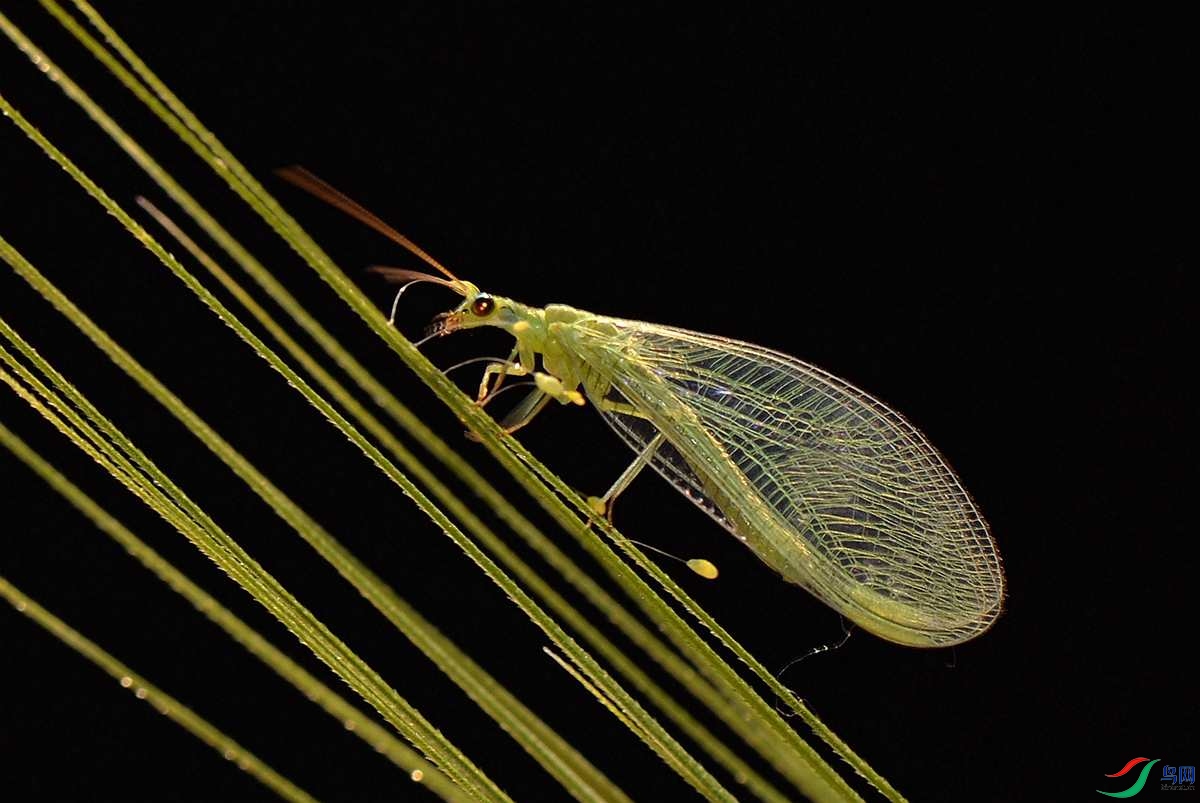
(974, 217)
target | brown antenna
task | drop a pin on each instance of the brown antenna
(318, 187)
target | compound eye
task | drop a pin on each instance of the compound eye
(482, 306)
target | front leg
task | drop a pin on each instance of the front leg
(511, 366)
(547, 388)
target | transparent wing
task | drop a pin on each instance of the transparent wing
(832, 488)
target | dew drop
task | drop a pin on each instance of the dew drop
(126, 682)
(417, 775)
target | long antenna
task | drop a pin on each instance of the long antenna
(321, 189)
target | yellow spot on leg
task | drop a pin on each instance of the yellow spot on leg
(553, 387)
(548, 384)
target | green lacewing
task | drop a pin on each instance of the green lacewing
(826, 484)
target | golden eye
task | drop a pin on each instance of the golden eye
(482, 306)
